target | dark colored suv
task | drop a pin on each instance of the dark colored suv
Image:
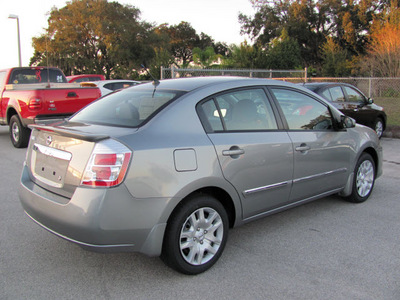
(353, 103)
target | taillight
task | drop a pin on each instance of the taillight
(35, 104)
(107, 165)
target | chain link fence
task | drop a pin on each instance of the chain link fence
(167, 73)
(374, 87)
(371, 86)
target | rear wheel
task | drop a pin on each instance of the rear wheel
(196, 235)
(364, 179)
(18, 133)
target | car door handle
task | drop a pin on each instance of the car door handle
(303, 148)
(72, 95)
(233, 152)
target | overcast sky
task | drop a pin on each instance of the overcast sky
(217, 18)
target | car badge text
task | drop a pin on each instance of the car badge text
(49, 140)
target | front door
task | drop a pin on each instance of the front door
(321, 154)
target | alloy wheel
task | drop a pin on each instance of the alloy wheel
(201, 236)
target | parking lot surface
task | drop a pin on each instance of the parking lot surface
(327, 249)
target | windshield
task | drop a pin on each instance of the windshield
(128, 108)
(37, 75)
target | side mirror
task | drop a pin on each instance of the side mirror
(348, 122)
(370, 101)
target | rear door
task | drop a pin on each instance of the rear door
(321, 154)
(255, 157)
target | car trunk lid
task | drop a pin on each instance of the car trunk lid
(58, 155)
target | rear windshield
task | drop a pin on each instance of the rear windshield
(128, 108)
(23, 76)
(87, 78)
(311, 87)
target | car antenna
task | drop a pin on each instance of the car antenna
(155, 81)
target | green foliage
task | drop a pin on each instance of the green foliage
(183, 39)
(244, 56)
(335, 62)
(333, 36)
(162, 58)
(310, 22)
(284, 53)
(206, 57)
(94, 36)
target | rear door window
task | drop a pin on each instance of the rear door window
(242, 110)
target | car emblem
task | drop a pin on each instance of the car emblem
(49, 140)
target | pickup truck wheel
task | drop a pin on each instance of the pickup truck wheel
(19, 134)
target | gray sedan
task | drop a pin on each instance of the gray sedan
(166, 168)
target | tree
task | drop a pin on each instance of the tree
(94, 36)
(335, 60)
(183, 38)
(384, 47)
(162, 58)
(245, 56)
(205, 57)
(311, 22)
(283, 53)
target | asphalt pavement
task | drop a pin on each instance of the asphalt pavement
(327, 249)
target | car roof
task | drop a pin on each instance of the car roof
(323, 84)
(98, 82)
(193, 83)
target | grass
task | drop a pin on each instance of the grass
(392, 109)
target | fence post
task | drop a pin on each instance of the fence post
(172, 71)
(369, 87)
(162, 73)
(305, 75)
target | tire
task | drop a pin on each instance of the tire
(18, 133)
(379, 127)
(364, 179)
(196, 235)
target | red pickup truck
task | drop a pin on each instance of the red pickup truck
(36, 95)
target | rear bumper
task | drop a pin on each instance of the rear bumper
(104, 220)
(45, 119)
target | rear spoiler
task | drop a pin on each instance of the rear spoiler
(90, 137)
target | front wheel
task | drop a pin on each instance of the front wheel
(378, 127)
(364, 179)
(18, 133)
(196, 235)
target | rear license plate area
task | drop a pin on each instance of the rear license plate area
(50, 165)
